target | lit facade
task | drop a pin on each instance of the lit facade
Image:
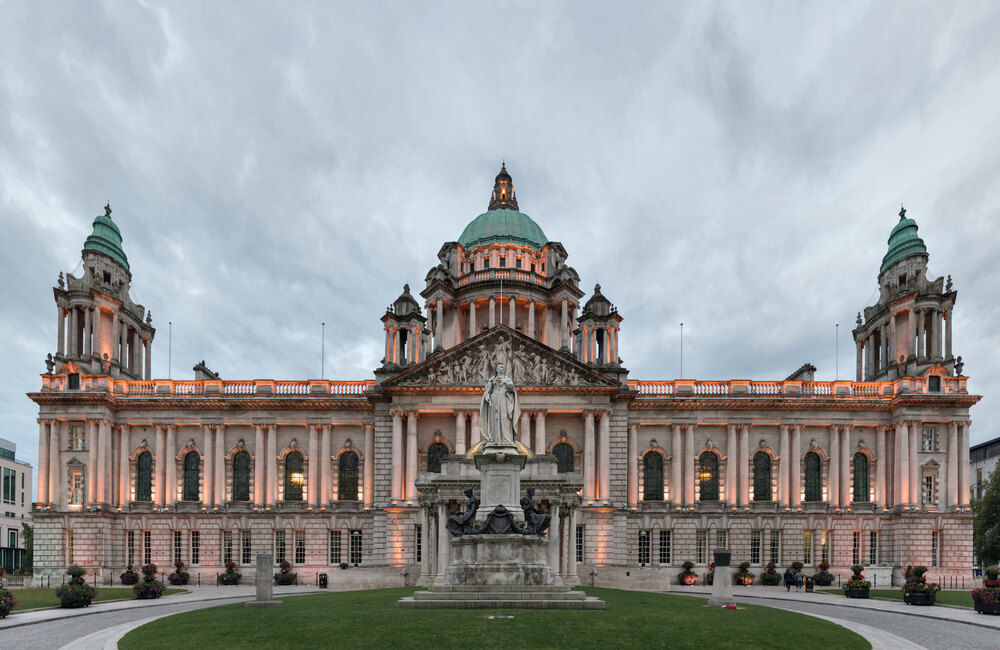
(135, 469)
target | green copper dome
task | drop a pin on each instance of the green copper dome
(503, 226)
(106, 238)
(903, 241)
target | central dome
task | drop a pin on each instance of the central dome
(502, 223)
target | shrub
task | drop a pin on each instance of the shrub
(989, 593)
(770, 576)
(858, 580)
(285, 576)
(687, 576)
(917, 584)
(150, 587)
(179, 576)
(823, 577)
(7, 601)
(743, 575)
(129, 576)
(343, 566)
(231, 575)
(76, 592)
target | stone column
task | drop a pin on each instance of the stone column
(588, 455)
(963, 463)
(953, 461)
(564, 327)
(539, 432)
(947, 332)
(74, 320)
(901, 470)
(171, 466)
(91, 461)
(439, 325)
(369, 465)
(442, 550)
(313, 482)
(460, 432)
(571, 560)
(676, 467)
(493, 313)
(208, 467)
(744, 465)
(116, 338)
(795, 467)
(88, 314)
(472, 318)
(531, 318)
(890, 337)
(161, 464)
(604, 470)
(397, 455)
(731, 465)
(476, 434)
(912, 318)
(554, 536)
(689, 464)
(323, 467)
(425, 542)
(632, 454)
(870, 357)
(44, 426)
(411, 455)
(513, 304)
(845, 465)
(915, 463)
(524, 429)
(56, 492)
(936, 333)
(272, 464)
(61, 321)
(833, 488)
(880, 463)
(784, 461)
(884, 360)
(124, 448)
(259, 467)
(148, 353)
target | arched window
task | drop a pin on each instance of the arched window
(565, 457)
(761, 476)
(652, 476)
(435, 453)
(862, 491)
(347, 485)
(814, 478)
(192, 462)
(241, 476)
(294, 476)
(708, 476)
(144, 477)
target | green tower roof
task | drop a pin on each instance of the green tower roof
(502, 222)
(903, 241)
(106, 238)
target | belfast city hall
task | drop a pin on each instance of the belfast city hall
(638, 475)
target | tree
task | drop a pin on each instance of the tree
(986, 526)
(28, 533)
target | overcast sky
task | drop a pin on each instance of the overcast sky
(735, 167)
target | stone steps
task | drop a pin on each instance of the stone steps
(496, 601)
(491, 595)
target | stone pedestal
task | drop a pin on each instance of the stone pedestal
(722, 583)
(500, 560)
(265, 586)
(500, 466)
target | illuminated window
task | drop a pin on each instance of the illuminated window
(69, 547)
(930, 439)
(77, 441)
(807, 546)
(652, 476)
(708, 476)
(144, 477)
(814, 488)
(241, 476)
(347, 484)
(77, 490)
(862, 491)
(761, 476)
(825, 546)
(294, 476)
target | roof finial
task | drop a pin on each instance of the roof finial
(107, 209)
(902, 212)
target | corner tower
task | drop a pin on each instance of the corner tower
(101, 331)
(907, 332)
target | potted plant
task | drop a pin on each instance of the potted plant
(7, 600)
(179, 576)
(823, 577)
(687, 576)
(231, 575)
(285, 576)
(150, 588)
(987, 598)
(770, 576)
(76, 592)
(129, 576)
(743, 575)
(857, 586)
(343, 566)
(710, 574)
(917, 591)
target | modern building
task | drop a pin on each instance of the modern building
(134, 469)
(16, 482)
(983, 460)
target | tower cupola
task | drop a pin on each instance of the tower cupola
(503, 191)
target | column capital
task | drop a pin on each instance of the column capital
(633, 426)
(397, 412)
(589, 413)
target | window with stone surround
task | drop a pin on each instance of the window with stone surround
(144, 477)
(347, 476)
(856, 548)
(294, 476)
(814, 478)
(807, 547)
(665, 543)
(930, 440)
(862, 486)
(147, 547)
(708, 476)
(762, 476)
(701, 547)
(192, 469)
(824, 541)
(755, 543)
(279, 546)
(721, 538)
(579, 543)
(928, 492)
(178, 546)
(775, 555)
(873, 548)
(652, 476)
(565, 456)
(246, 548)
(77, 437)
(241, 476)
(9, 485)
(355, 548)
(335, 540)
(69, 546)
(227, 546)
(935, 547)
(300, 547)
(435, 454)
(643, 547)
(195, 547)
(77, 487)
(130, 547)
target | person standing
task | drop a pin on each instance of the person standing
(799, 579)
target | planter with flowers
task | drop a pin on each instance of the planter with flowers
(687, 576)
(7, 600)
(150, 588)
(770, 576)
(231, 576)
(917, 591)
(743, 575)
(823, 577)
(129, 576)
(709, 576)
(987, 598)
(179, 576)
(285, 576)
(76, 592)
(857, 586)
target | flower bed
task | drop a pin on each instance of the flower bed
(76, 592)
(150, 588)
(129, 576)
(986, 599)
(857, 586)
(285, 576)
(179, 576)
(823, 577)
(7, 600)
(917, 591)
(231, 576)
(770, 576)
(687, 576)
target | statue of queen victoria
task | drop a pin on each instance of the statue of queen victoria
(499, 410)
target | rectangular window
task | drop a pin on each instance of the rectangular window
(825, 546)
(177, 546)
(579, 543)
(929, 439)
(76, 438)
(355, 547)
(130, 547)
(503, 262)
(69, 547)
(11, 538)
(701, 547)
(929, 490)
(279, 546)
(856, 548)
(195, 547)
(335, 536)
(776, 546)
(147, 547)
(807, 547)
(979, 482)
(76, 488)
(935, 547)
(300, 547)
(721, 539)
(665, 546)
(9, 478)
(246, 550)
(873, 548)
(418, 537)
(643, 547)
(754, 547)
(227, 546)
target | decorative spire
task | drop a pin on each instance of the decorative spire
(503, 191)
(902, 212)
(107, 209)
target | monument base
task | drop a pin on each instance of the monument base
(722, 587)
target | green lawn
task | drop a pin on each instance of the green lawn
(960, 597)
(34, 598)
(369, 619)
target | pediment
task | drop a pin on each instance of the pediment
(529, 363)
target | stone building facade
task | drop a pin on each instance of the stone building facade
(325, 473)
(15, 499)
